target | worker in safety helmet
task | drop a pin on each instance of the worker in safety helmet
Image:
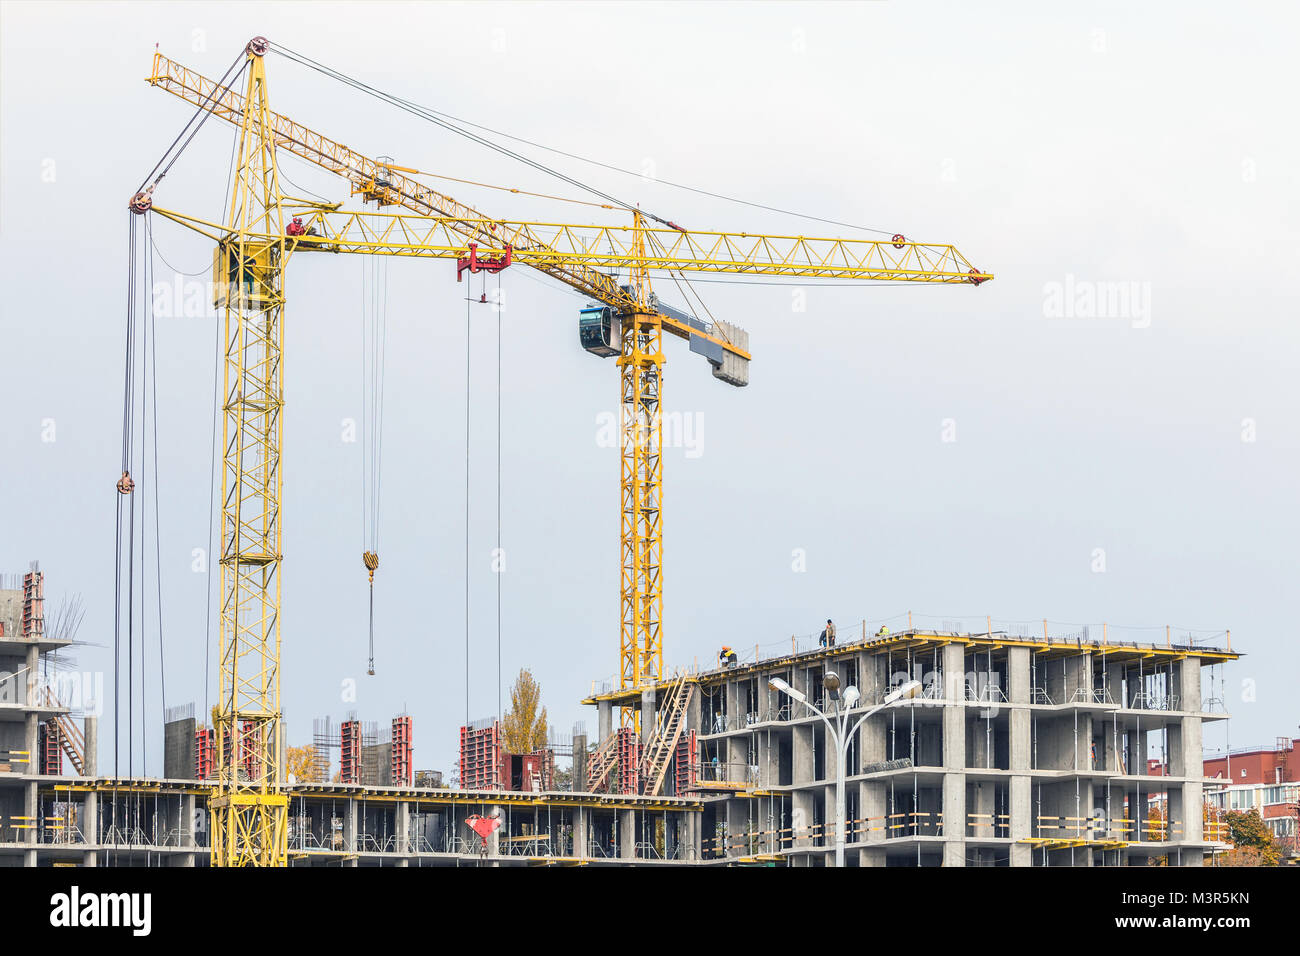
(882, 632)
(828, 634)
(727, 657)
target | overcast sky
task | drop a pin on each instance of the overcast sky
(954, 451)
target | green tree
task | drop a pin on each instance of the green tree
(524, 729)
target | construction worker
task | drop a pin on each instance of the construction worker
(828, 634)
(727, 657)
(883, 632)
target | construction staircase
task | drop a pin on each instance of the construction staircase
(62, 728)
(669, 721)
(602, 762)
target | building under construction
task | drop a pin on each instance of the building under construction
(1020, 751)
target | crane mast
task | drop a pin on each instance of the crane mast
(249, 804)
(249, 807)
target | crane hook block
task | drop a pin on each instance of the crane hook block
(473, 263)
(141, 202)
(125, 484)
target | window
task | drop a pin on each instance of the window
(1282, 826)
(1243, 799)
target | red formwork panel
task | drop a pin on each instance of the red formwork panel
(629, 761)
(205, 754)
(350, 752)
(34, 605)
(685, 762)
(482, 759)
(401, 771)
(51, 752)
(250, 740)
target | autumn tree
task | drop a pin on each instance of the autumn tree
(524, 727)
(300, 763)
(1252, 841)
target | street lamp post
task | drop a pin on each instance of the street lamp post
(847, 701)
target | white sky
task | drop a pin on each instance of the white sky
(1094, 144)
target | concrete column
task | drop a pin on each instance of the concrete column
(1018, 675)
(1021, 729)
(402, 827)
(690, 835)
(1077, 677)
(981, 744)
(604, 719)
(627, 834)
(647, 715)
(1112, 800)
(29, 810)
(90, 825)
(737, 827)
(695, 712)
(1115, 684)
(954, 819)
(579, 762)
(186, 823)
(983, 807)
(801, 817)
(185, 830)
(801, 755)
(1193, 811)
(954, 755)
(734, 704)
(90, 729)
(873, 681)
(1187, 681)
(581, 816)
(873, 800)
(737, 757)
(350, 829)
(31, 734)
(1021, 820)
(1109, 753)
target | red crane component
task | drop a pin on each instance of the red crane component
(487, 264)
(898, 240)
(483, 826)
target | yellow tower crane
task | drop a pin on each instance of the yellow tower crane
(264, 229)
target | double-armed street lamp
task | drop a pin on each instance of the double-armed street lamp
(836, 729)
